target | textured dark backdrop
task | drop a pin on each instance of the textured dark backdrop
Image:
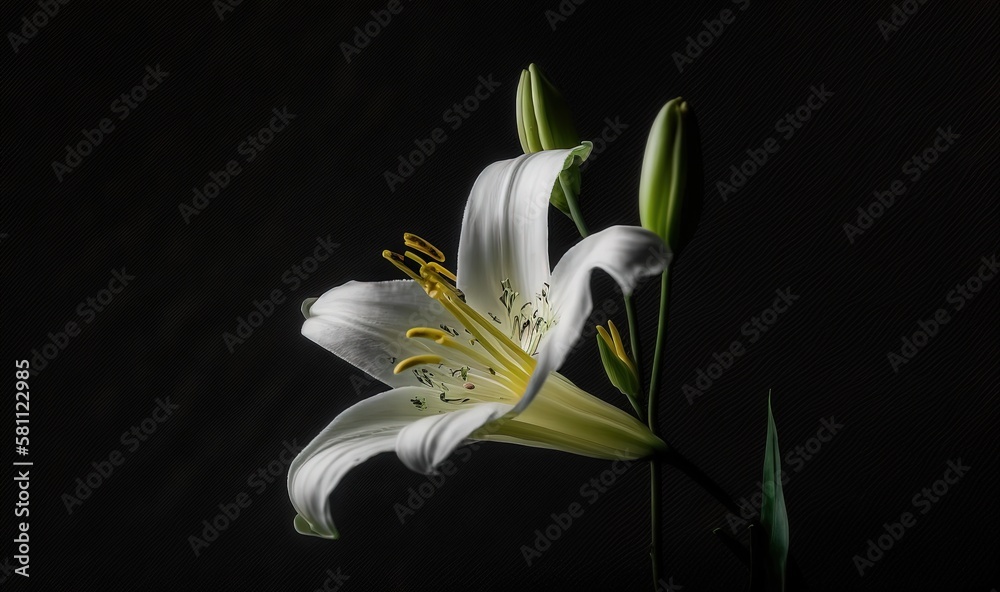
(323, 176)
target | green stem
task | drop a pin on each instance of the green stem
(680, 462)
(577, 216)
(654, 512)
(796, 580)
(661, 339)
(635, 405)
(574, 206)
(651, 411)
(633, 335)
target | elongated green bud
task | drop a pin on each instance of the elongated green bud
(671, 188)
(544, 121)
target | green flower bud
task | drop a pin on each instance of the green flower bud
(544, 121)
(619, 366)
(671, 187)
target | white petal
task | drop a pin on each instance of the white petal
(627, 253)
(365, 323)
(426, 443)
(374, 425)
(505, 232)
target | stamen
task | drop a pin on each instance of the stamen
(398, 260)
(471, 324)
(420, 261)
(442, 338)
(417, 361)
(517, 365)
(415, 242)
(442, 270)
(434, 335)
(502, 339)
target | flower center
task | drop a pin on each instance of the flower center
(493, 366)
(529, 322)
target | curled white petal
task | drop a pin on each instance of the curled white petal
(413, 421)
(626, 253)
(426, 443)
(505, 232)
(357, 434)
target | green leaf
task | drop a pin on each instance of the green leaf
(773, 516)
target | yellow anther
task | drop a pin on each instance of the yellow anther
(417, 361)
(435, 335)
(415, 242)
(400, 262)
(484, 364)
(392, 256)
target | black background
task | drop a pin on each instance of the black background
(323, 175)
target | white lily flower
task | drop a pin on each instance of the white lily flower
(473, 356)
